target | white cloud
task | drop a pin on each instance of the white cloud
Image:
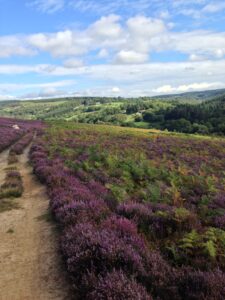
(214, 7)
(14, 45)
(141, 33)
(195, 57)
(202, 43)
(108, 6)
(8, 87)
(144, 77)
(219, 53)
(103, 53)
(146, 27)
(73, 63)
(49, 92)
(6, 97)
(106, 28)
(130, 57)
(63, 43)
(105, 31)
(115, 90)
(136, 39)
(160, 8)
(36, 90)
(48, 6)
(22, 69)
(168, 89)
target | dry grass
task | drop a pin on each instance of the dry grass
(6, 205)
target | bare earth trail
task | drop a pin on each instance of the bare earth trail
(30, 264)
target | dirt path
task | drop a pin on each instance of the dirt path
(30, 265)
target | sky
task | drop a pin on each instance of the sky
(131, 48)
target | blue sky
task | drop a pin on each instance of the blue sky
(51, 48)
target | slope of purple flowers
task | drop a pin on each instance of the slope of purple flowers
(19, 147)
(122, 247)
(8, 137)
(93, 242)
(9, 134)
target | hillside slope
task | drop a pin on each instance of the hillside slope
(197, 112)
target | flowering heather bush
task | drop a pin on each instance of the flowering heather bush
(78, 211)
(12, 186)
(8, 136)
(116, 285)
(199, 285)
(11, 130)
(158, 220)
(19, 147)
(122, 226)
(142, 215)
(86, 247)
(139, 213)
(219, 221)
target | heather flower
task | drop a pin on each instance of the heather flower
(202, 285)
(78, 211)
(137, 212)
(116, 285)
(122, 226)
(219, 221)
(87, 248)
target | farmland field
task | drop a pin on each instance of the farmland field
(141, 211)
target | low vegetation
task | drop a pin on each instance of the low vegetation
(17, 134)
(7, 205)
(141, 211)
(19, 147)
(12, 130)
(12, 186)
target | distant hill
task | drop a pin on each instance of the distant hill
(202, 95)
(200, 112)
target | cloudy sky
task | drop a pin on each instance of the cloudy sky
(110, 48)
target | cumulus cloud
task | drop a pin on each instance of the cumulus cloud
(132, 41)
(63, 43)
(15, 45)
(147, 27)
(107, 27)
(201, 42)
(130, 57)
